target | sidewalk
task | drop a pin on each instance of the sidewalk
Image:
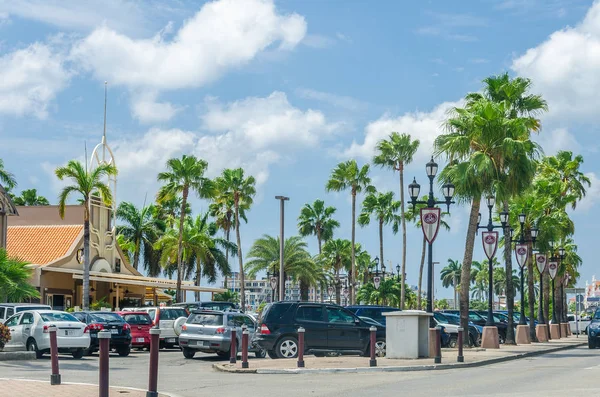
(473, 357)
(31, 388)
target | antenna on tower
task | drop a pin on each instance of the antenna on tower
(85, 154)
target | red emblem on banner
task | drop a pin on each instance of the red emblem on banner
(376, 281)
(490, 243)
(552, 269)
(540, 262)
(522, 253)
(430, 223)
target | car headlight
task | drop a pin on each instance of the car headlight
(594, 325)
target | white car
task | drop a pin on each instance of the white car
(29, 331)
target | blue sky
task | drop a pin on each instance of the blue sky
(285, 89)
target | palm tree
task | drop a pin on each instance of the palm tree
(316, 219)
(450, 276)
(388, 292)
(236, 187)
(142, 229)
(7, 179)
(227, 296)
(30, 197)
(385, 210)
(182, 176)
(348, 175)
(85, 183)
(394, 153)
(337, 256)
(128, 247)
(14, 279)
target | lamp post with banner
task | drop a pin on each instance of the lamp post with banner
(541, 330)
(430, 221)
(555, 326)
(330, 291)
(562, 315)
(489, 238)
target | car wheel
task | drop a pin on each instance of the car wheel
(223, 354)
(124, 351)
(453, 342)
(272, 354)
(287, 347)
(380, 348)
(32, 347)
(88, 352)
(77, 354)
(501, 339)
(319, 354)
(591, 344)
(188, 353)
(262, 353)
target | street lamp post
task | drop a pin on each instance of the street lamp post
(563, 317)
(282, 200)
(489, 237)
(552, 270)
(375, 276)
(398, 272)
(430, 221)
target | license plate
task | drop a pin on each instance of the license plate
(68, 333)
(114, 331)
(139, 340)
(206, 343)
(170, 340)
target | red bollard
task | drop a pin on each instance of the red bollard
(245, 335)
(373, 360)
(461, 357)
(55, 376)
(438, 346)
(301, 331)
(153, 373)
(104, 339)
(233, 356)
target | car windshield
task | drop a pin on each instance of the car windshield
(138, 319)
(172, 314)
(453, 319)
(106, 317)
(206, 319)
(597, 315)
(217, 306)
(23, 308)
(57, 317)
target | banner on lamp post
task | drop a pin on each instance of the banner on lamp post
(490, 243)
(273, 282)
(552, 269)
(330, 291)
(377, 281)
(430, 223)
(346, 293)
(540, 262)
(522, 253)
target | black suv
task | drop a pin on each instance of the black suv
(120, 330)
(594, 331)
(328, 328)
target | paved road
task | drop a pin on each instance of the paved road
(570, 372)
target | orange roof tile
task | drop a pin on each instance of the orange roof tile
(41, 244)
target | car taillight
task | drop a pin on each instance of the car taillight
(46, 329)
(221, 330)
(184, 327)
(264, 330)
(93, 327)
(126, 327)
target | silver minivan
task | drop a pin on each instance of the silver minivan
(8, 309)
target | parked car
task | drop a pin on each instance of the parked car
(210, 305)
(373, 311)
(594, 331)
(452, 323)
(140, 323)
(580, 326)
(120, 330)
(164, 318)
(329, 328)
(209, 331)
(29, 330)
(479, 317)
(8, 309)
(372, 322)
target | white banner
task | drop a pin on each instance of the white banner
(522, 253)
(330, 291)
(377, 281)
(430, 223)
(273, 282)
(346, 292)
(490, 243)
(552, 269)
(540, 262)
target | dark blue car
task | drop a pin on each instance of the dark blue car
(372, 311)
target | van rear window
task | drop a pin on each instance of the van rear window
(206, 319)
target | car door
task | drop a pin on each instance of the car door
(26, 324)
(311, 318)
(343, 331)
(16, 341)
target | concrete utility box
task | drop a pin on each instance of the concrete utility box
(407, 334)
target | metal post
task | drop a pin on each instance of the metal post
(232, 348)
(55, 376)
(438, 346)
(461, 357)
(282, 200)
(301, 331)
(541, 319)
(104, 338)
(430, 284)
(522, 319)
(490, 319)
(245, 334)
(373, 360)
(153, 372)
(554, 321)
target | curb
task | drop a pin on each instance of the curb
(17, 355)
(224, 368)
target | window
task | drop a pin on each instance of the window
(79, 316)
(249, 322)
(10, 311)
(138, 319)
(335, 315)
(105, 317)
(11, 322)
(2, 310)
(57, 316)
(235, 321)
(172, 314)
(26, 319)
(206, 319)
(309, 313)
(152, 313)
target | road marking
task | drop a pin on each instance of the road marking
(594, 367)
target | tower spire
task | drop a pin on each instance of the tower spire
(104, 132)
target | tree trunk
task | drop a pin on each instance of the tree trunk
(381, 241)
(136, 254)
(338, 298)
(466, 268)
(420, 291)
(546, 292)
(239, 250)
(455, 281)
(319, 243)
(531, 289)
(86, 257)
(227, 231)
(403, 221)
(510, 297)
(352, 276)
(198, 279)
(178, 293)
(304, 291)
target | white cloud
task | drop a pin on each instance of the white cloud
(557, 139)
(318, 41)
(31, 78)
(339, 101)
(425, 126)
(147, 110)
(224, 34)
(592, 194)
(565, 67)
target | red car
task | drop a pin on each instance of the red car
(140, 323)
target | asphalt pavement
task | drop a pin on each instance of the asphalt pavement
(554, 374)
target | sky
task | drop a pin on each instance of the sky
(287, 89)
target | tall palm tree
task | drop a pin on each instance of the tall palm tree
(30, 197)
(337, 256)
(316, 219)
(241, 190)
(395, 153)
(183, 176)
(348, 175)
(450, 276)
(14, 279)
(142, 229)
(85, 183)
(385, 210)
(388, 293)
(6, 178)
